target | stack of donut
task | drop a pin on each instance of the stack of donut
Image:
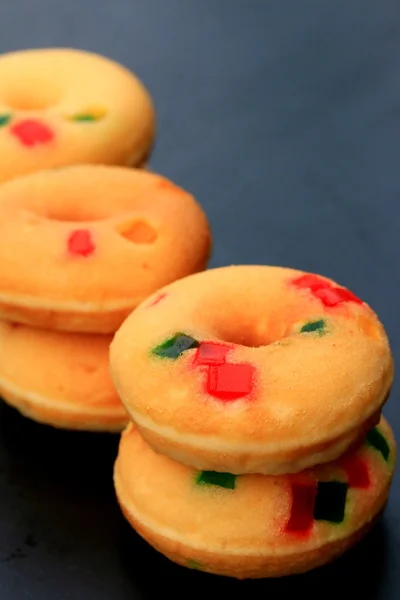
(80, 248)
(256, 446)
(250, 397)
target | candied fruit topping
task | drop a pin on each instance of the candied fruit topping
(311, 282)
(378, 441)
(330, 501)
(334, 296)
(84, 117)
(175, 346)
(230, 381)
(302, 509)
(80, 243)
(159, 298)
(31, 132)
(193, 564)
(211, 353)
(314, 326)
(224, 480)
(329, 294)
(356, 470)
(5, 118)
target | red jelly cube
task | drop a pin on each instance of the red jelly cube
(230, 381)
(31, 132)
(335, 296)
(80, 243)
(328, 296)
(210, 353)
(302, 510)
(356, 471)
(347, 296)
(159, 298)
(311, 282)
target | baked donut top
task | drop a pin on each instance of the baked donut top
(96, 237)
(62, 106)
(262, 369)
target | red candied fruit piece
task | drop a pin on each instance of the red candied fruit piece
(80, 243)
(329, 294)
(302, 510)
(158, 299)
(230, 381)
(347, 296)
(31, 132)
(311, 282)
(334, 296)
(356, 471)
(210, 353)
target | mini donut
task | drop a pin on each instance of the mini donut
(81, 247)
(59, 379)
(252, 369)
(63, 106)
(253, 526)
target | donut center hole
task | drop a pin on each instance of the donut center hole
(252, 332)
(22, 98)
(250, 339)
(67, 214)
(138, 232)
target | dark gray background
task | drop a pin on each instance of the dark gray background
(282, 117)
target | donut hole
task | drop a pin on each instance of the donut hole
(233, 328)
(23, 98)
(70, 215)
(251, 339)
(88, 202)
(138, 232)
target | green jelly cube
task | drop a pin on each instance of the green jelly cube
(378, 441)
(4, 119)
(175, 346)
(317, 326)
(224, 480)
(330, 501)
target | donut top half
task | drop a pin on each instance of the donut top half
(253, 369)
(90, 242)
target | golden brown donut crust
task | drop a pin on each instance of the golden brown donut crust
(313, 392)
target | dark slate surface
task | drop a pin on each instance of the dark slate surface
(282, 117)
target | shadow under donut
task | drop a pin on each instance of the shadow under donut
(357, 574)
(32, 454)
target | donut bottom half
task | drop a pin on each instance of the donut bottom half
(248, 526)
(59, 379)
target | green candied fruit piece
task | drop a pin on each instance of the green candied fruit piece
(175, 346)
(330, 501)
(224, 480)
(193, 564)
(317, 326)
(84, 117)
(376, 439)
(4, 119)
